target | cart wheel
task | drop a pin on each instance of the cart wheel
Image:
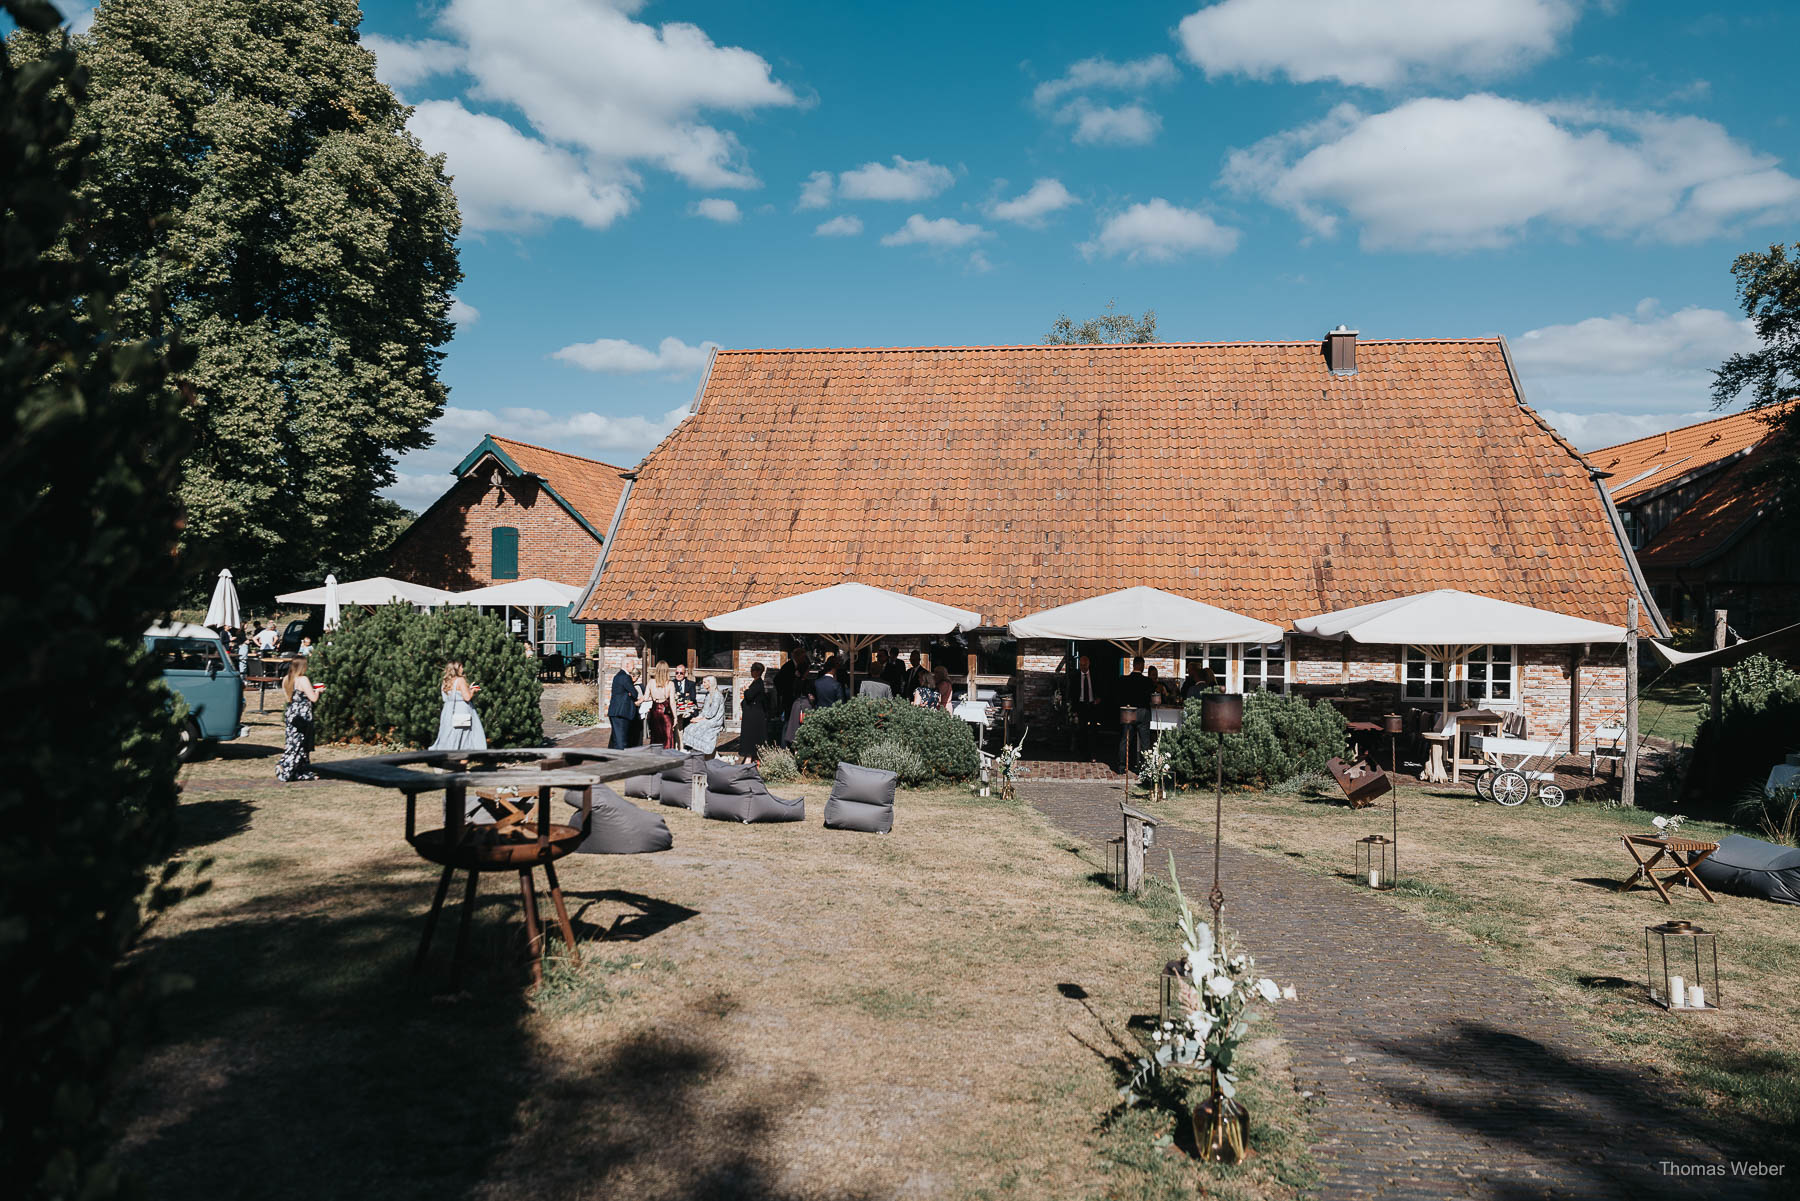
(1550, 795)
(1511, 788)
(1484, 784)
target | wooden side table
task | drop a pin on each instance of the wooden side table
(1434, 771)
(1683, 854)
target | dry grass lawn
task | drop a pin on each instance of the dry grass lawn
(1533, 888)
(762, 1012)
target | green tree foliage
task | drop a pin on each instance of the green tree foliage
(89, 522)
(384, 672)
(1110, 328)
(1768, 287)
(306, 247)
(1759, 711)
(841, 733)
(1282, 737)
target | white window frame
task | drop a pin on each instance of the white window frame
(1459, 675)
(1212, 652)
(1486, 656)
(1434, 668)
(1258, 653)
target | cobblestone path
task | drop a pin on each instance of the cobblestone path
(1439, 1074)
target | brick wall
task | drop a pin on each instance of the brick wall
(450, 546)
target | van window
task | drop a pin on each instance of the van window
(184, 654)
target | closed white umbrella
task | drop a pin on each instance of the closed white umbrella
(1134, 618)
(333, 614)
(223, 612)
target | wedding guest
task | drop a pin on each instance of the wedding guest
(702, 733)
(622, 706)
(828, 689)
(804, 701)
(296, 753)
(940, 678)
(662, 710)
(893, 673)
(753, 712)
(459, 726)
(1134, 691)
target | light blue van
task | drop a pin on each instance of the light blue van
(195, 665)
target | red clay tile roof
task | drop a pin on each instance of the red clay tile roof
(1012, 479)
(591, 487)
(1661, 459)
(1733, 500)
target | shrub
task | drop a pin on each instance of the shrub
(839, 733)
(384, 674)
(576, 714)
(776, 764)
(888, 755)
(1283, 736)
(1306, 783)
(1759, 710)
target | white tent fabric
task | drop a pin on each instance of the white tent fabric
(1449, 617)
(376, 590)
(334, 609)
(1778, 643)
(847, 610)
(223, 613)
(533, 593)
(1133, 617)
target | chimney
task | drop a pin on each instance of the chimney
(1340, 351)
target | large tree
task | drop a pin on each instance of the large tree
(91, 437)
(1109, 328)
(307, 247)
(1768, 287)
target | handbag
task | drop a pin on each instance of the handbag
(644, 709)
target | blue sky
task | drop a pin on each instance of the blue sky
(639, 179)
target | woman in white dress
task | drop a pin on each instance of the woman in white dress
(702, 733)
(459, 726)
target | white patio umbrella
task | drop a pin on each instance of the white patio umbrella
(376, 590)
(1446, 625)
(223, 612)
(333, 606)
(532, 594)
(851, 617)
(1134, 619)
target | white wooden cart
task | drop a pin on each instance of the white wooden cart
(1514, 767)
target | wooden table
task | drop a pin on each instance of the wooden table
(1683, 854)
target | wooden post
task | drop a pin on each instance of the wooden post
(1574, 702)
(693, 654)
(1134, 851)
(1628, 786)
(971, 675)
(1718, 674)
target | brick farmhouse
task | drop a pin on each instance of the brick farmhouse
(516, 511)
(1276, 479)
(1703, 521)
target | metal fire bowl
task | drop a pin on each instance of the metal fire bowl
(483, 849)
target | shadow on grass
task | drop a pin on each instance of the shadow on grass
(1601, 1129)
(310, 1062)
(647, 916)
(202, 823)
(240, 750)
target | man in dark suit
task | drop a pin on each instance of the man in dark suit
(622, 710)
(1085, 701)
(1134, 690)
(787, 680)
(893, 673)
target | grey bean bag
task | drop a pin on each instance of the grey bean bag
(862, 798)
(618, 827)
(677, 781)
(736, 792)
(645, 788)
(1754, 869)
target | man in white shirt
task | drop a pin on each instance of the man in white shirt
(267, 639)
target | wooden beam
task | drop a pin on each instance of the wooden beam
(1574, 700)
(1628, 786)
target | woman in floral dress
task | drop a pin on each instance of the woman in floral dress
(296, 755)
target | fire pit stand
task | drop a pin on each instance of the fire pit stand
(513, 787)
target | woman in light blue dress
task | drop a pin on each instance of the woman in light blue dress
(459, 726)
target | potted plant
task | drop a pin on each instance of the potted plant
(1218, 994)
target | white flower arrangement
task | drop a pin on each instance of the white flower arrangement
(1010, 763)
(1667, 825)
(1157, 769)
(1216, 1014)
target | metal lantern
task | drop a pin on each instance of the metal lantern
(1168, 993)
(1681, 966)
(1373, 861)
(1115, 861)
(1222, 712)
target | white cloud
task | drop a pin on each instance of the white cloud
(1435, 174)
(845, 226)
(619, 357)
(1160, 232)
(1044, 197)
(588, 76)
(1590, 431)
(1638, 367)
(507, 180)
(1110, 125)
(907, 179)
(717, 208)
(1096, 124)
(940, 233)
(462, 312)
(815, 193)
(1373, 43)
(402, 62)
(1103, 73)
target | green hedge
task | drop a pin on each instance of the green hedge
(1283, 736)
(383, 671)
(841, 732)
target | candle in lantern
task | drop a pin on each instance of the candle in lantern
(1696, 997)
(1374, 877)
(1676, 995)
